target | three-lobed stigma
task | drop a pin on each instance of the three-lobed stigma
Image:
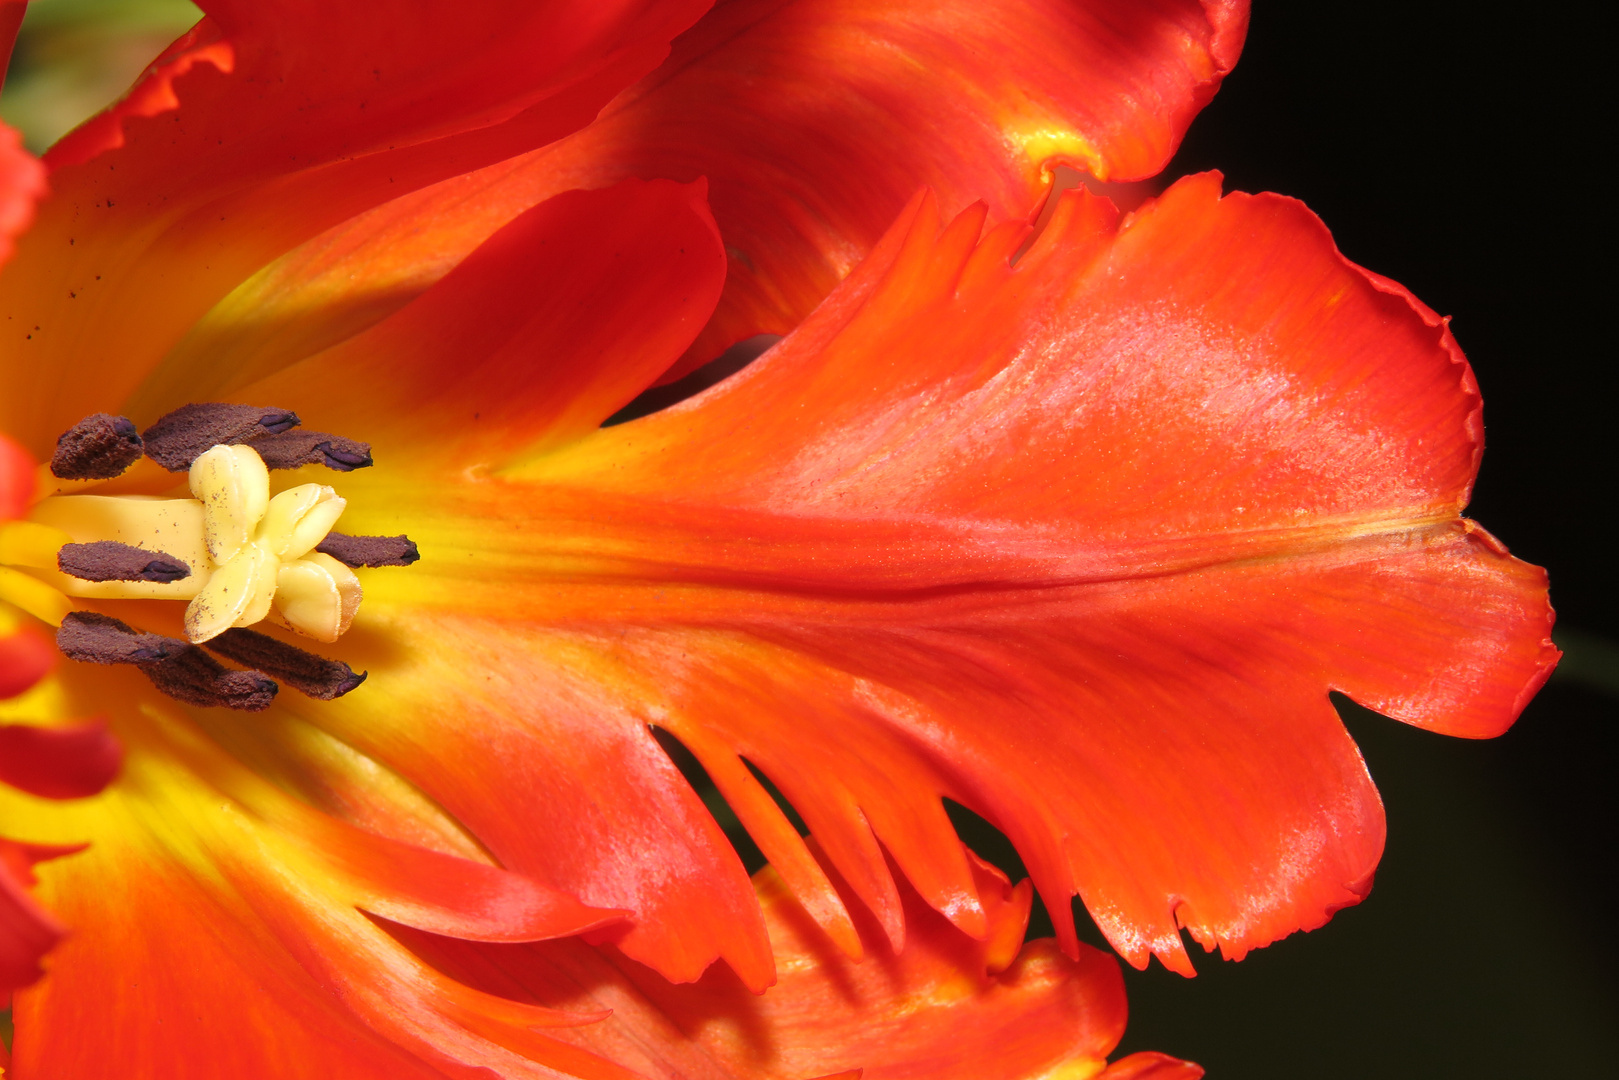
(236, 554)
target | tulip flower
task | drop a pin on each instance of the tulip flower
(317, 333)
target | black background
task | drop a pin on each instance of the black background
(1453, 146)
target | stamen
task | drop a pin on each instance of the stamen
(108, 560)
(178, 668)
(291, 449)
(182, 436)
(303, 671)
(369, 550)
(98, 447)
(92, 638)
(196, 678)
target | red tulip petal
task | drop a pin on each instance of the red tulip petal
(945, 1007)
(26, 656)
(268, 123)
(27, 931)
(22, 177)
(16, 480)
(1150, 1065)
(58, 763)
(814, 121)
(248, 905)
(556, 322)
(1082, 545)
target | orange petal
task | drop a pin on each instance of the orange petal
(263, 126)
(814, 121)
(931, 1011)
(1082, 545)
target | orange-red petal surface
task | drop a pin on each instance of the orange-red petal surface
(22, 177)
(236, 899)
(1149, 1065)
(268, 123)
(946, 1008)
(27, 931)
(1082, 544)
(245, 899)
(814, 121)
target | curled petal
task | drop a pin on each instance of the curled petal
(813, 122)
(263, 126)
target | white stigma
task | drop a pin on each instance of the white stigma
(262, 550)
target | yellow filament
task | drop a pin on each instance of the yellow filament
(28, 543)
(33, 596)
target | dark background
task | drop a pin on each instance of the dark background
(1452, 147)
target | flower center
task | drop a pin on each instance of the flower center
(237, 554)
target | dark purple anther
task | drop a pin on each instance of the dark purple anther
(359, 551)
(196, 678)
(108, 560)
(176, 667)
(303, 671)
(93, 638)
(184, 435)
(98, 447)
(294, 448)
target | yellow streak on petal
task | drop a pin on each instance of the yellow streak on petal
(1078, 1069)
(1041, 144)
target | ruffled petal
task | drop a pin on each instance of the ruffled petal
(248, 887)
(1081, 544)
(945, 1007)
(267, 124)
(814, 121)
